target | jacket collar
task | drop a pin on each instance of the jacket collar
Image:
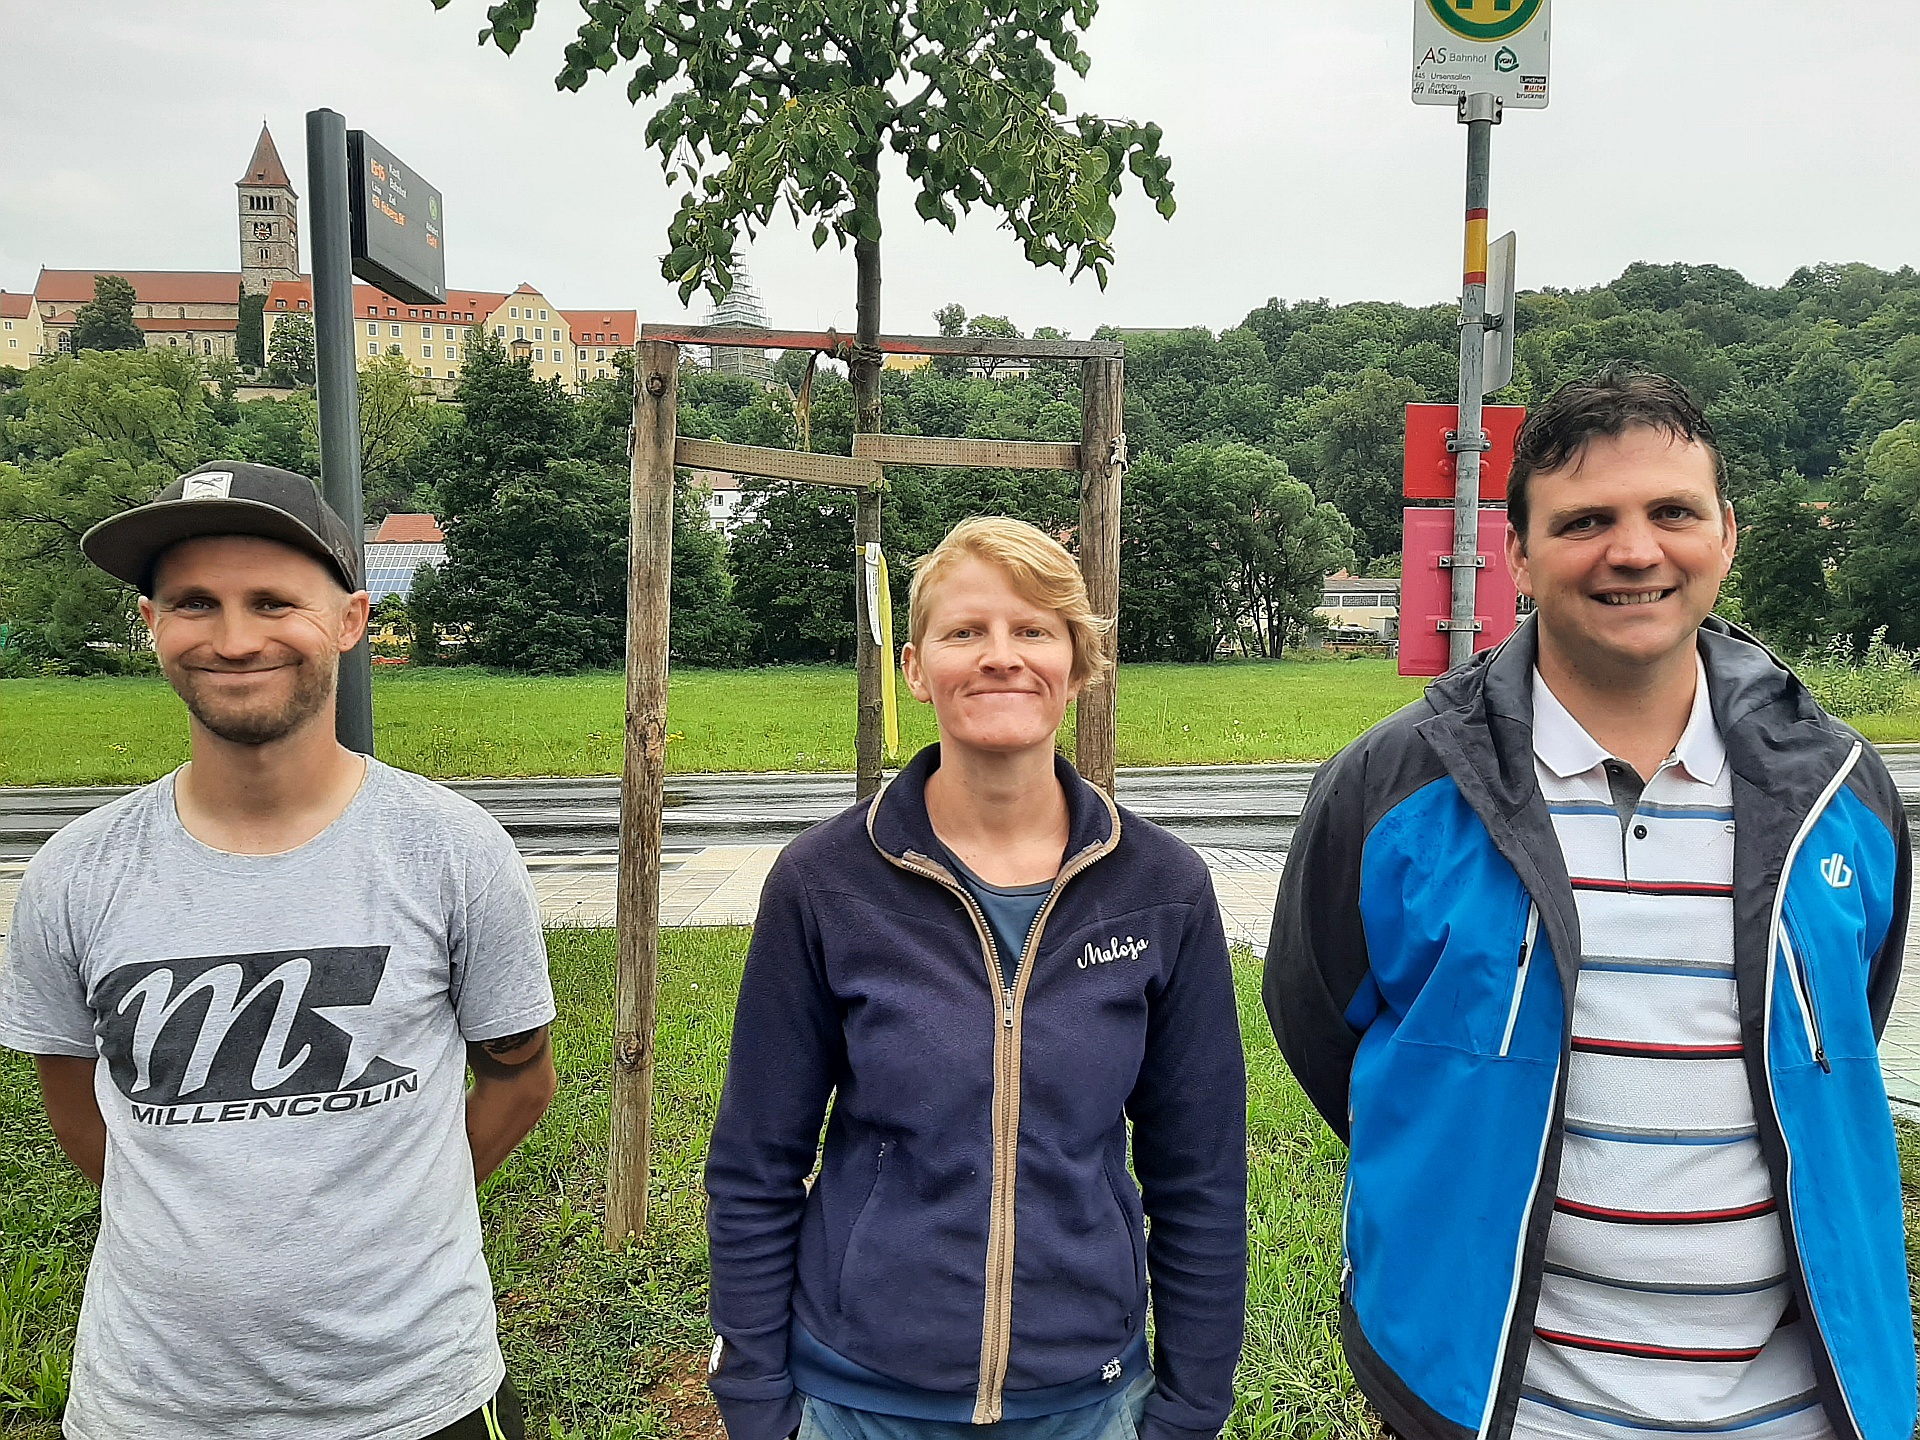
(1775, 733)
(898, 823)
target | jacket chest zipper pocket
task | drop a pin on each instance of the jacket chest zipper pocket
(1800, 976)
(1520, 976)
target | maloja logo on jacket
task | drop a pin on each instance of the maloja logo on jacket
(1114, 949)
(281, 1034)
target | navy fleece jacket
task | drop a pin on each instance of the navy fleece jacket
(974, 1229)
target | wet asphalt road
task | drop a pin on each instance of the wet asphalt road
(1240, 807)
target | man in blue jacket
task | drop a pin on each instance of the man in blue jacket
(1586, 955)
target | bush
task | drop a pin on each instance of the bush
(1876, 684)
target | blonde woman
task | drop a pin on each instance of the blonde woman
(989, 970)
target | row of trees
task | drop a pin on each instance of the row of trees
(1265, 456)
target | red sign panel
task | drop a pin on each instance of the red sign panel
(1426, 588)
(1429, 464)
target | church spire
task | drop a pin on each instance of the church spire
(265, 168)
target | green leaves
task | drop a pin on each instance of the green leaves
(773, 103)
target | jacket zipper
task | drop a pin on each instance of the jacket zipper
(1801, 978)
(1775, 934)
(1520, 975)
(997, 1320)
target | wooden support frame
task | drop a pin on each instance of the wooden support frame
(832, 341)
(802, 465)
(981, 454)
(656, 399)
(1101, 457)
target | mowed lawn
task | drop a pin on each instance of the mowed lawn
(613, 1346)
(459, 723)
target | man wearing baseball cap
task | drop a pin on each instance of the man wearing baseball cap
(253, 991)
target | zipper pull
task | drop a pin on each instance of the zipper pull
(1006, 1010)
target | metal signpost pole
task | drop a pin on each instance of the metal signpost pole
(338, 379)
(1479, 113)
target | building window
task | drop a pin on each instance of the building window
(453, 374)
(601, 373)
(426, 332)
(519, 332)
(427, 370)
(452, 353)
(303, 304)
(206, 347)
(500, 331)
(173, 339)
(373, 309)
(583, 372)
(373, 347)
(449, 330)
(426, 353)
(373, 327)
(539, 354)
(599, 354)
(543, 314)
(614, 338)
(392, 311)
(514, 311)
(538, 333)
(9, 324)
(396, 331)
(13, 344)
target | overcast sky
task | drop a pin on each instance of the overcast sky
(1763, 135)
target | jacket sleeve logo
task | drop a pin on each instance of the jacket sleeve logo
(1836, 872)
(232, 1037)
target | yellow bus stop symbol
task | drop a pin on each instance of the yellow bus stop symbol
(1485, 19)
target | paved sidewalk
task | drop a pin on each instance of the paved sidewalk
(720, 885)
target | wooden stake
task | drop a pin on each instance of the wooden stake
(642, 788)
(1103, 462)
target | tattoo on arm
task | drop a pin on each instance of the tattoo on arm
(485, 1057)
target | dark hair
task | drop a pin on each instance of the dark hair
(1615, 400)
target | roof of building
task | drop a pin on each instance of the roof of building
(164, 287)
(623, 326)
(265, 167)
(14, 307)
(525, 289)
(160, 326)
(409, 530)
(367, 299)
(1340, 581)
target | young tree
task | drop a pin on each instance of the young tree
(290, 355)
(106, 321)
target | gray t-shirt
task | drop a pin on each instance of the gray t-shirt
(289, 1241)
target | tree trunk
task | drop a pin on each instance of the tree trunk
(866, 519)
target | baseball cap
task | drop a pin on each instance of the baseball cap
(224, 497)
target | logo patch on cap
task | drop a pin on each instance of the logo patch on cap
(210, 485)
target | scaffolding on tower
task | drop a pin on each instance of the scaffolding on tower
(741, 310)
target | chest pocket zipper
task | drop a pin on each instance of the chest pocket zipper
(1801, 979)
(1520, 976)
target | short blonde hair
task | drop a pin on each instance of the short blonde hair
(1042, 572)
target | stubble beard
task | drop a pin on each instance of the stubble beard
(313, 686)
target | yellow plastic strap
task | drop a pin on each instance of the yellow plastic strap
(889, 702)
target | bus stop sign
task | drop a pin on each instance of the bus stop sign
(397, 233)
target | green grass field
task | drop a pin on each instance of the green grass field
(466, 723)
(612, 1346)
(462, 723)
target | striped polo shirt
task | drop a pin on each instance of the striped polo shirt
(1665, 1305)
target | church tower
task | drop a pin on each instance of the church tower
(269, 221)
